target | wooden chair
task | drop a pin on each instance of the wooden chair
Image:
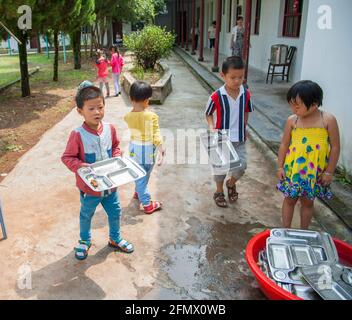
(2, 222)
(286, 67)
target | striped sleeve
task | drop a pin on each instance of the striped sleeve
(249, 106)
(210, 107)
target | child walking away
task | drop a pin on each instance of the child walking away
(212, 35)
(94, 141)
(308, 154)
(102, 64)
(237, 38)
(117, 62)
(232, 104)
(146, 141)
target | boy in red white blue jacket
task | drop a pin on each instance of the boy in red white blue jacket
(94, 141)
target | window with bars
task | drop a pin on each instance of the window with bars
(257, 17)
(292, 18)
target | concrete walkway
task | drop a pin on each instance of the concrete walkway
(190, 250)
(268, 122)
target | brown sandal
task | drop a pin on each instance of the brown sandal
(232, 193)
(220, 200)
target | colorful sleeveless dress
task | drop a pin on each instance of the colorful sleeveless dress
(306, 159)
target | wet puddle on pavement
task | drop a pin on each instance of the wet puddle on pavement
(210, 263)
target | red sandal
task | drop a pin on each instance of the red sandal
(152, 207)
(135, 196)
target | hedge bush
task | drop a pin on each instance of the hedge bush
(150, 45)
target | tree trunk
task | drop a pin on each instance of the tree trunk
(56, 56)
(102, 33)
(85, 44)
(39, 49)
(92, 41)
(76, 47)
(97, 37)
(22, 50)
(109, 31)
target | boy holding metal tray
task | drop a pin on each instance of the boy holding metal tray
(231, 104)
(94, 141)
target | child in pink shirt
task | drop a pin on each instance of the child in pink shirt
(102, 64)
(117, 62)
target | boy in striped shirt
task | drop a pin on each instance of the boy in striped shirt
(231, 104)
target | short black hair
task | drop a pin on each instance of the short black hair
(140, 91)
(214, 22)
(239, 18)
(88, 93)
(308, 91)
(234, 62)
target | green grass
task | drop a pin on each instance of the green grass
(6, 146)
(68, 77)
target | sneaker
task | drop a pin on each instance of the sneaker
(117, 94)
(152, 207)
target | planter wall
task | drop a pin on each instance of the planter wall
(161, 89)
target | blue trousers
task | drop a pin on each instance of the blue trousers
(111, 205)
(144, 155)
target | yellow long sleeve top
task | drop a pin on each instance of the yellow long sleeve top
(144, 127)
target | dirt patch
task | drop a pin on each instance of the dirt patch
(24, 120)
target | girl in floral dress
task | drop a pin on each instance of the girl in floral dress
(308, 154)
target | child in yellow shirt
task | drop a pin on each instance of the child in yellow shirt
(146, 141)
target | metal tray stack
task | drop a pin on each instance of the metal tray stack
(222, 154)
(111, 173)
(294, 260)
(331, 282)
(289, 250)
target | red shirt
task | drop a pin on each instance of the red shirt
(102, 65)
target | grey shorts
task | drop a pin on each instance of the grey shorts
(237, 173)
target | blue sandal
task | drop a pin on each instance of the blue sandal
(123, 245)
(81, 251)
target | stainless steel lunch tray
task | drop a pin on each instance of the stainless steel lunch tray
(332, 285)
(286, 259)
(111, 173)
(321, 242)
(303, 291)
(290, 250)
(220, 150)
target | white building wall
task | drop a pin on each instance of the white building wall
(210, 16)
(327, 60)
(270, 33)
(225, 36)
(126, 28)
